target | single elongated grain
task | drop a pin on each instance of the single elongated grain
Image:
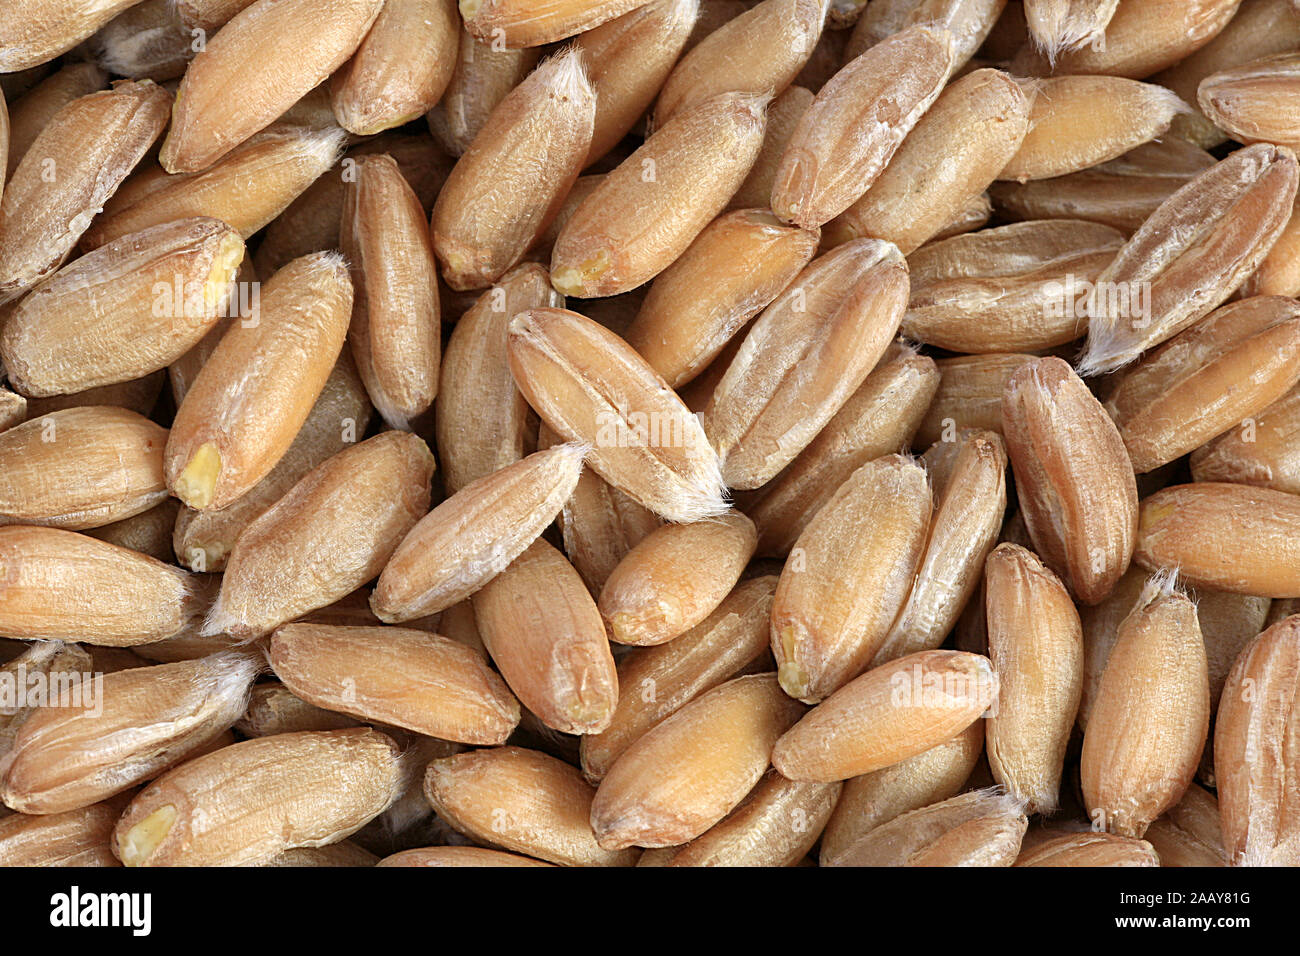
(202, 539)
(1121, 193)
(1149, 720)
(589, 386)
(482, 418)
(274, 709)
(396, 334)
(890, 713)
(255, 68)
(1036, 645)
(978, 828)
(875, 798)
(473, 535)
(1257, 751)
(691, 770)
(59, 584)
(523, 801)
(247, 189)
(804, 357)
(251, 397)
(968, 512)
(1073, 477)
(145, 720)
(878, 419)
(81, 468)
(331, 533)
(249, 802)
(1021, 287)
(658, 681)
(647, 211)
(1189, 256)
(849, 576)
(760, 51)
(857, 122)
(1080, 121)
(674, 578)
(628, 60)
(382, 86)
(1226, 536)
(127, 309)
(955, 151)
(1225, 370)
(1252, 102)
(731, 272)
(510, 183)
(544, 632)
(69, 171)
(423, 682)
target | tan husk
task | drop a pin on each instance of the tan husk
(253, 394)
(130, 726)
(1257, 751)
(472, 536)
(128, 308)
(81, 468)
(511, 182)
(1149, 720)
(589, 386)
(255, 68)
(395, 333)
(76, 162)
(1036, 645)
(1073, 477)
(674, 578)
(804, 357)
(423, 682)
(890, 713)
(542, 628)
(1191, 254)
(331, 533)
(246, 803)
(383, 86)
(856, 124)
(848, 576)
